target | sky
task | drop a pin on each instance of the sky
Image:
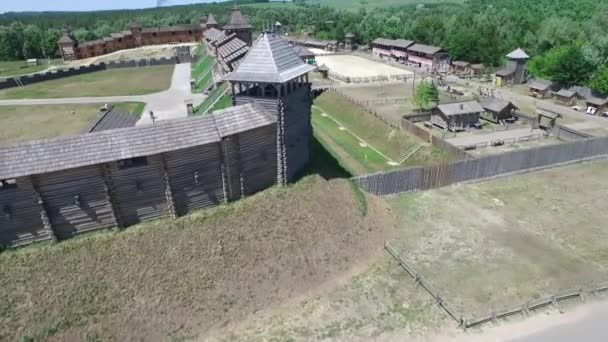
(83, 5)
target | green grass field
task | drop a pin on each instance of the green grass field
(118, 82)
(14, 68)
(202, 74)
(22, 123)
(358, 159)
(209, 101)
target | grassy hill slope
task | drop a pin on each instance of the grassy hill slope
(174, 279)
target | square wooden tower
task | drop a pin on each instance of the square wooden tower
(240, 25)
(273, 75)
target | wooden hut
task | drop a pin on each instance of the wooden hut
(540, 88)
(350, 42)
(461, 68)
(324, 70)
(597, 106)
(496, 110)
(477, 70)
(566, 97)
(548, 115)
(457, 117)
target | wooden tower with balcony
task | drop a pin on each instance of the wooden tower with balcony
(273, 75)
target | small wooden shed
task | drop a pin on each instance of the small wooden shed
(566, 97)
(457, 117)
(596, 105)
(461, 68)
(540, 88)
(324, 70)
(548, 115)
(497, 110)
(477, 69)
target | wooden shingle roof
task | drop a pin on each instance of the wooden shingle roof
(452, 109)
(50, 155)
(65, 39)
(426, 49)
(303, 52)
(237, 20)
(402, 43)
(112, 119)
(383, 41)
(495, 105)
(272, 60)
(567, 93)
(211, 20)
(518, 54)
(541, 85)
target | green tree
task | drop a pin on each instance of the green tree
(32, 42)
(426, 94)
(565, 65)
(599, 82)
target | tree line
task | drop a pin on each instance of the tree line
(568, 39)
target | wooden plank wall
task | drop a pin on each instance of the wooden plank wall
(258, 150)
(75, 201)
(139, 192)
(196, 177)
(24, 225)
(59, 205)
(297, 130)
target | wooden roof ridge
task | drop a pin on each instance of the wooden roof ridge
(61, 153)
(271, 60)
(211, 20)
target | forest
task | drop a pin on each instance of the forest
(568, 39)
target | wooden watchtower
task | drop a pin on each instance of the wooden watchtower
(273, 75)
(240, 25)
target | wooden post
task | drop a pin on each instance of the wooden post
(108, 187)
(44, 215)
(168, 191)
(223, 167)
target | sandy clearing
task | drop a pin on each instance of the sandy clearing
(353, 66)
(319, 51)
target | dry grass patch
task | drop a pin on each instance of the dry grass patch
(501, 243)
(174, 279)
(23, 123)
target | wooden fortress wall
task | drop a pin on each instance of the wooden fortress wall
(59, 205)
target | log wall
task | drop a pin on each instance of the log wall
(59, 205)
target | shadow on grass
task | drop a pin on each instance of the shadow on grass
(324, 164)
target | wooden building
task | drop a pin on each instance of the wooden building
(306, 55)
(423, 56)
(457, 117)
(58, 188)
(540, 89)
(566, 97)
(239, 25)
(350, 42)
(381, 47)
(597, 106)
(324, 70)
(399, 49)
(53, 189)
(227, 48)
(496, 110)
(273, 75)
(461, 68)
(548, 115)
(135, 36)
(477, 70)
(516, 71)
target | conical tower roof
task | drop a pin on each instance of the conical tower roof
(211, 20)
(238, 20)
(270, 60)
(518, 54)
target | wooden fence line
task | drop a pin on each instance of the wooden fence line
(522, 309)
(427, 286)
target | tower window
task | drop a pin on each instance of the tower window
(6, 184)
(132, 162)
